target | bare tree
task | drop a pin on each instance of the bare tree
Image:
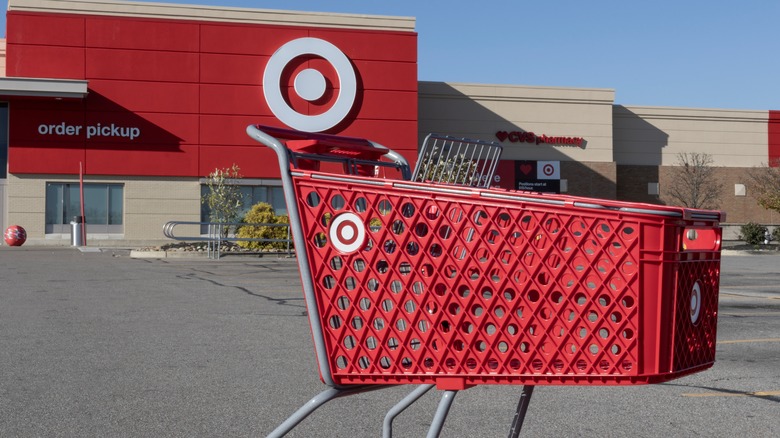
(693, 181)
(764, 185)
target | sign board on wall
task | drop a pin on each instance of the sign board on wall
(530, 137)
(538, 176)
(535, 176)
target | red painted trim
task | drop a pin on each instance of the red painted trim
(773, 142)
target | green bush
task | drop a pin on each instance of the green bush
(776, 234)
(752, 233)
(262, 213)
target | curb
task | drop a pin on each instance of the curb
(135, 254)
(148, 254)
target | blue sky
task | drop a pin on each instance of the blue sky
(686, 53)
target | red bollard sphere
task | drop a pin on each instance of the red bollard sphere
(15, 235)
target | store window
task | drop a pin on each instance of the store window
(273, 195)
(103, 207)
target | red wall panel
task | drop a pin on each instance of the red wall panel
(139, 65)
(156, 128)
(243, 39)
(252, 160)
(61, 158)
(46, 30)
(382, 75)
(232, 69)
(394, 134)
(230, 130)
(233, 99)
(774, 138)
(129, 160)
(167, 97)
(43, 126)
(47, 104)
(376, 46)
(388, 105)
(45, 61)
(124, 33)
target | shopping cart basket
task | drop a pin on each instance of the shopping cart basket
(455, 285)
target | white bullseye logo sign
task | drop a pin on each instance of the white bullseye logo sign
(548, 169)
(309, 84)
(347, 232)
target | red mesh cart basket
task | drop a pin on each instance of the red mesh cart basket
(409, 281)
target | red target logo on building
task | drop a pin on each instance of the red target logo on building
(309, 84)
(347, 233)
(548, 170)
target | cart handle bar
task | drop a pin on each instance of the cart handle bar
(307, 142)
(329, 147)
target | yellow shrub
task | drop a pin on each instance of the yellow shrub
(262, 213)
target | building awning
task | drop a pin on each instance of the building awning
(39, 87)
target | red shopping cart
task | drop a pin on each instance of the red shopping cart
(432, 278)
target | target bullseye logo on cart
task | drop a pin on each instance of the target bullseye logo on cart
(347, 232)
(695, 303)
(309, 84)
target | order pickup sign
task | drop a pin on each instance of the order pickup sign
(97, 130)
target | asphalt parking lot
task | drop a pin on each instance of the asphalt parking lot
(101, 344)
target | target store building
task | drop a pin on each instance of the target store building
(143, 100)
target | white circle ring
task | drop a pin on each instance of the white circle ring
(695, 303)
(273, 92)
(347, 232)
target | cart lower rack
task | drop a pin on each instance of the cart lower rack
(448, 286)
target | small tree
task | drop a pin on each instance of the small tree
(263, 213)
(224, 198)
(752, 233)
(693, 182)
(764, 185)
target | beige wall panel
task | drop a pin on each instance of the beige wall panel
(161, 206)
(655, 136)
(480, 111)
(2, 57)
(185, 189)
(149, 204)
(25, 187)
(26, 204)
(519, 151)
(576, 114)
